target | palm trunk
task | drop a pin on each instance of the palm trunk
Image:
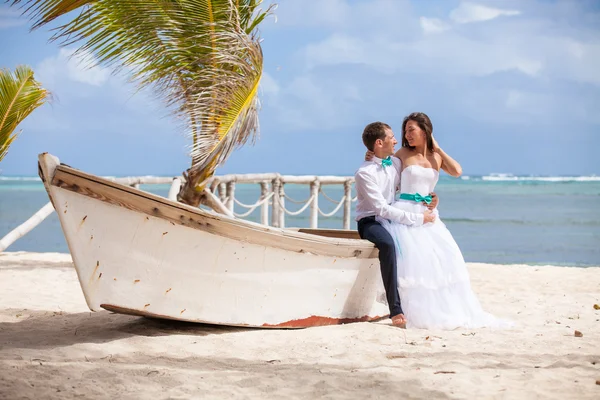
(188, 193)
(192, 196)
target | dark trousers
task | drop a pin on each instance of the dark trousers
(371, 230)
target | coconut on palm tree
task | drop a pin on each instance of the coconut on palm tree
(201, 57)
(20, 94)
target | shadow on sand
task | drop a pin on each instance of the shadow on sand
(47, 329)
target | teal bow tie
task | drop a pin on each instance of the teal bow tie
(416, 197)
(386, 162)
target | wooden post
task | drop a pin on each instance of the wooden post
(314, 206)
(264, 207)
(275, 210)
(347, 203)
(174, 189)
(230, 195)
(281, 205)
(221, 189)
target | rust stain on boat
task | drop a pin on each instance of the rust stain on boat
(91, 280)
(96, 268)
(146, 305)
(100, 276)
(316, 320)
(114, 279)
(293, 324)
(136, 281)
(168, 290)
(164, 233)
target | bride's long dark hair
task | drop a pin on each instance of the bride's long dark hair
(424, 123)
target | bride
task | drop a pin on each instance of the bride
(433, 280)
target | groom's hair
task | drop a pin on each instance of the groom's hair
(372, 132)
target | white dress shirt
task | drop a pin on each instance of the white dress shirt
(375, 189)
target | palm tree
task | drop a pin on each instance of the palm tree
(20, 94)
(202, 57)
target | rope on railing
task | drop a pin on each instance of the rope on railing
(335, 201)
(258, 202)
(300, 211)
(252, 207)
(336, 209)
(296, 201)
(327, 197)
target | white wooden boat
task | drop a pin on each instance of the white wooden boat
(142, 254)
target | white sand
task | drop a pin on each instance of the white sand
(52, 347)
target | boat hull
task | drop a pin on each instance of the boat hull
(138, 254)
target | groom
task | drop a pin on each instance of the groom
(376, 181)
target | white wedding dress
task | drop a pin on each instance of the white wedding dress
(433, 280)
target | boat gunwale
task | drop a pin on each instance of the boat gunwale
(74, 180)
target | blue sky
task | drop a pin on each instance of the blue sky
(511, 87)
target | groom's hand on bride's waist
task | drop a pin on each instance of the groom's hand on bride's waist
(428, 216)
(434, 201)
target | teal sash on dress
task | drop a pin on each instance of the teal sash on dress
(415, 197)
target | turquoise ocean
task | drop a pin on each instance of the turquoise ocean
(501, 219)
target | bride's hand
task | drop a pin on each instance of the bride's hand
(435, 144)
(369, 155)
(434, 201)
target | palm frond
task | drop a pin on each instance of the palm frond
(20, 94)
(201, 57)
(228, 109)
(47, 11)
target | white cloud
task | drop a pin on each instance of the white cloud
(308, 103)
(582, 60)
(449, 54)
(329, 13)
(337, 49)
(538, 46)
(81, 69)
(433, 25)
(510, 70)
(529, 67)
(471, 12)
(268, 84)
(66, 65)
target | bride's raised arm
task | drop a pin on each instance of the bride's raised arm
(449, 164)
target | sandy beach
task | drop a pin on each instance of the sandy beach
(53, 347)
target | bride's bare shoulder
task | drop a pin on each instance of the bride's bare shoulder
(402, 153)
